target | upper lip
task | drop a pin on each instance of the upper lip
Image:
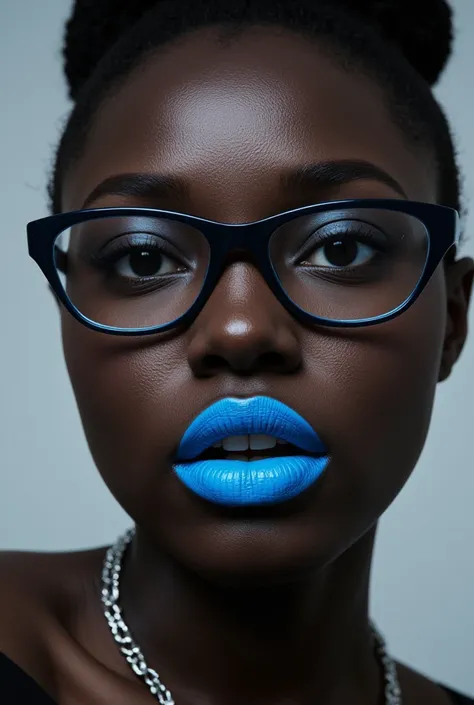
(255, 415)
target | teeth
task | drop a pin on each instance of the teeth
(245, 458)
(253, 441)
(261, 442)
(236, 443)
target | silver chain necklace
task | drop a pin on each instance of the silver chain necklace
(113, 612)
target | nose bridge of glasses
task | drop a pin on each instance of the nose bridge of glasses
(250, 238)
(240, 251)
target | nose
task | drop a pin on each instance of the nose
(243, 328)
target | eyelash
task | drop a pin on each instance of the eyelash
(360, 233)
(118, 248)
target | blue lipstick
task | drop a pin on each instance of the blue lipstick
(256, 482)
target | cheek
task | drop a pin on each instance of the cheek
(124, 391)
(381, 385)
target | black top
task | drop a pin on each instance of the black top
(17, 688)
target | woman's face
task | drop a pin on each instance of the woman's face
(229, 122)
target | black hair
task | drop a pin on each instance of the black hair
(402, 44)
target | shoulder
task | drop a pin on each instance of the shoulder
(40, 579)
(458, 698)
(422, 689)
(38, 592)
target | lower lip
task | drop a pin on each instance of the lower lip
(239, 483)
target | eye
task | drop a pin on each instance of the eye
(141, 263)
(138, 256)
(345, 244)
(342, 251)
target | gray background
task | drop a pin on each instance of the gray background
(51, 496)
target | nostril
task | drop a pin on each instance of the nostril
(243, 363)
(213, 363)
(272, 360)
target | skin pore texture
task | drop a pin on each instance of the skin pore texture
(263, 605)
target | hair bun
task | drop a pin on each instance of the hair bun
(422, 31)
(92, 29)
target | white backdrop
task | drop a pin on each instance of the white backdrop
(51, 497)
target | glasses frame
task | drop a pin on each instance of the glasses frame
(441, 223)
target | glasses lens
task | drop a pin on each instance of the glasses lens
(350, 264)
(132, 272)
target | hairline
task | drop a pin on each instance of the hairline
(226, 33)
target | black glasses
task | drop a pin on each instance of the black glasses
(137, 271)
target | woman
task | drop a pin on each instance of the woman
(254, 245)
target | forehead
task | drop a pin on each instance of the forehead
(230, 119)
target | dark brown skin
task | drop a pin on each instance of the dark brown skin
(270, 607)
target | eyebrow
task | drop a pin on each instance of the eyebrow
(325, 175)
(319, 176)
(145, 186)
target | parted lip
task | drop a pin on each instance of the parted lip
(255, 415)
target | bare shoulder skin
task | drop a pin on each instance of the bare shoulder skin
(38, 596)
(51, 626)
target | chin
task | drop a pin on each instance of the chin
(252, 552)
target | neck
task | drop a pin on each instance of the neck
(305, 642)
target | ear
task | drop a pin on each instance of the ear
(459, 278)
